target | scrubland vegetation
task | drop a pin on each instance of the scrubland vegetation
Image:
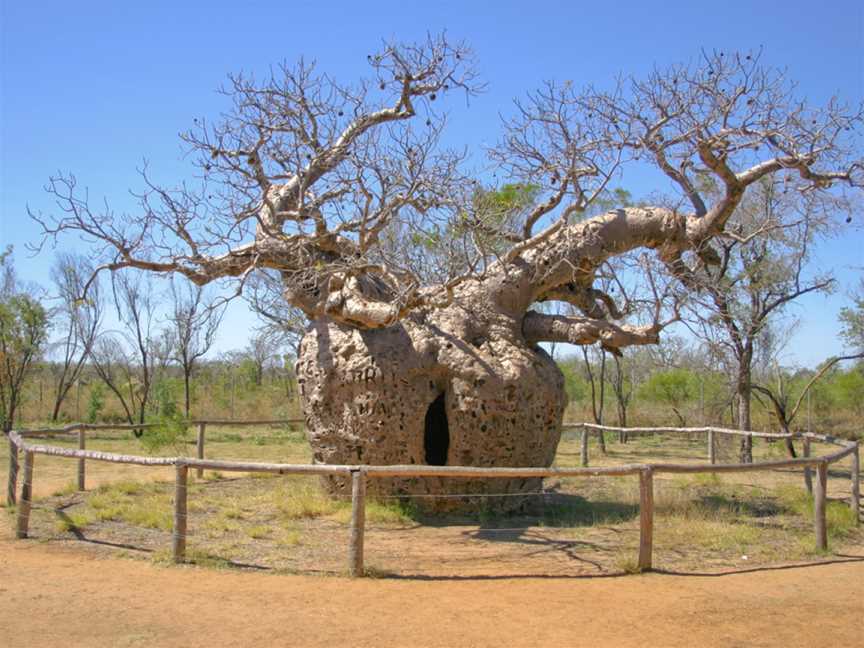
(588, 525)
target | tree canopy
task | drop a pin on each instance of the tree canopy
(332, 185)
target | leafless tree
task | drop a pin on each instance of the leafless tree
(162, 353)
(755, 281)
(264, 295)
(194, 322)
(595, 376)
(622, 387)
(852, 319)
(780, 398)
(338, 188)
(78, 321)
(264, 350)
(124, 359)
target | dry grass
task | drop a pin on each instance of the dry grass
(702, 521)
(135, 503)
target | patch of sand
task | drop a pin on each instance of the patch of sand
(52, 596)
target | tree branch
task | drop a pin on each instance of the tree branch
(537, 327)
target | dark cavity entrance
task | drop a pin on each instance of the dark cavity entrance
(436, 438)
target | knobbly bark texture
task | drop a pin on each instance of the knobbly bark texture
(367, 396)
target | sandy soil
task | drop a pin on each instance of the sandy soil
(63, 594)
(51, 596)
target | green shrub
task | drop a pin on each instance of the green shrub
(96, 403)
(171, 427)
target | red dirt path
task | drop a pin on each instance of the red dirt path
(53, 596)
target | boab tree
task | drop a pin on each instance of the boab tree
(422, 345)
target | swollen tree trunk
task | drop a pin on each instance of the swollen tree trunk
(448, 387)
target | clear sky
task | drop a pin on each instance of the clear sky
(95, 87)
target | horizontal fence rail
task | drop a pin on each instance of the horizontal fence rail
(360, 474)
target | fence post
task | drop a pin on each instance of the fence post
(819, 506)
(712, 453)
(584, 448)
(808, 472)
(82, 444)
(855, 502)
(358, 521)
(200, 448)
(26, 496)
(12, 485)
(646, 518)
(179, 536)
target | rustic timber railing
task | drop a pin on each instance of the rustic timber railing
(359, 474)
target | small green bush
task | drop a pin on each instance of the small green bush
(96, 403)
(171, 427)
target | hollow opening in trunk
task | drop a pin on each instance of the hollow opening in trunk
(436, 437)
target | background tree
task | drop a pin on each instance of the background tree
(194, 321)
(780, 398)
(760, 270)
(77, 320)
(594, 369)
(264, 351)
(331, 184)
(621, 381)
(163, 353)
(281, 319)
(124, 359)
(23, 335)
(852, 319)
(674, 388)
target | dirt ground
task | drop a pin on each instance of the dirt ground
(584, 527)
(52, 596)
(61, 591)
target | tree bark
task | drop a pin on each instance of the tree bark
(743, 390)
(457, 381)
(186, 389)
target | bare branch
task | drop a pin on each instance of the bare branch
(537, 327)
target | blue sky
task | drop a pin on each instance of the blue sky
(95, 87)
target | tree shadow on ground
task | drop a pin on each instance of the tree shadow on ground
(79, 534)
(756, 507)
(548, 509)
(837, 559)
(554, 509)
(840, 558)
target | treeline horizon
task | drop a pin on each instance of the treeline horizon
(665, 386)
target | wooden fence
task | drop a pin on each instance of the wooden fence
(360, 474)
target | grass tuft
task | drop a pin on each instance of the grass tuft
(839, 517)
(291, 537)
(136, 503)
(628, 565)
(75, 521)
(68, 489)
(258, 532)
(306, 501)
